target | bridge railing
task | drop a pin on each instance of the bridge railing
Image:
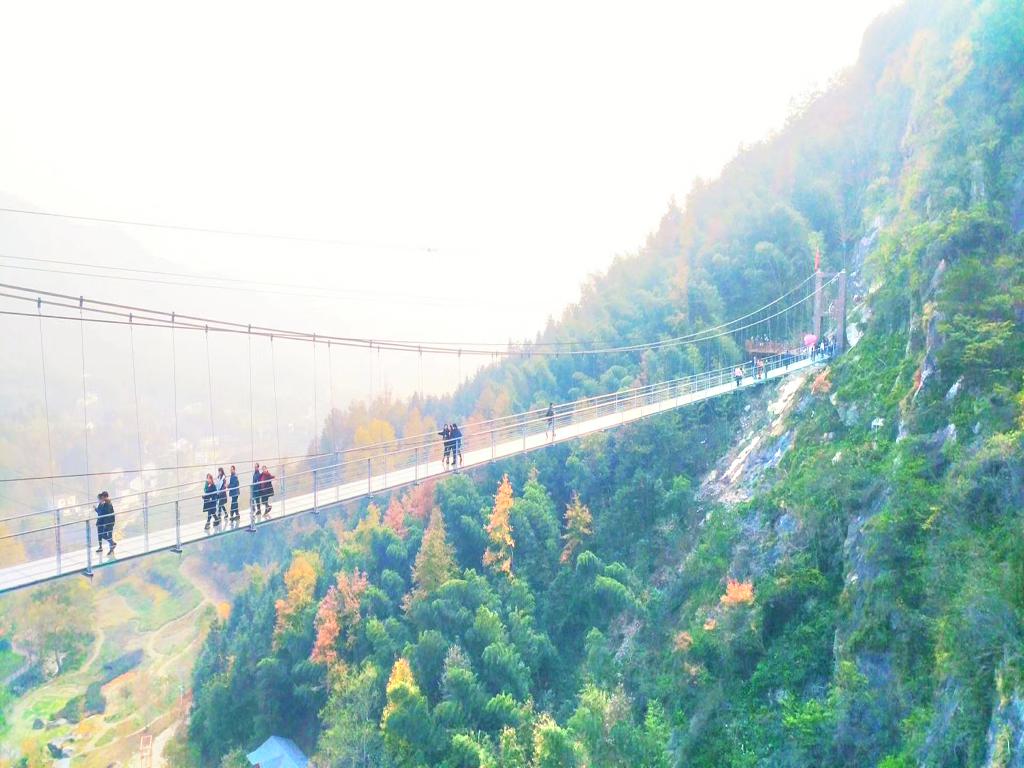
(62, 540)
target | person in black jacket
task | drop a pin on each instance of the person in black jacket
(456, 443)
(105, 522)
(256, 489)
(222, 494)
(233, 492)
(210, 501)
(446, 439)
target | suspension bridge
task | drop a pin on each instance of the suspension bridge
(59, 541)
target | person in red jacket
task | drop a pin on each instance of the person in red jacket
(266, 487)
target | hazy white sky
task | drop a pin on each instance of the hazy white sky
(527, 142)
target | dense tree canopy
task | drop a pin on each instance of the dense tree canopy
(860, 604)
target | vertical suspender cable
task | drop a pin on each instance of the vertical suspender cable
(49, 439)
(421, 377)
(85, 399)
(135, 393)
(209, 384)
(381, 383)
(174, 379)
(252, 420)
(330, 383)
(277, 422)
(369, 404)
(316, 438)
(277, 413)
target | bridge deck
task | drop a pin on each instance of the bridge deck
(167, 530)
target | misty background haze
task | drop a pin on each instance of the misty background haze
(475, 164)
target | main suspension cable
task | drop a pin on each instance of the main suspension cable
(529, 348)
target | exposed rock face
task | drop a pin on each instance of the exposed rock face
(764, 442)
(954, 390)
(56, 750)
(933, 342)
(866, 720)
(1005, 737)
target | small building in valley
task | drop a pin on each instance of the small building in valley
(277, 752)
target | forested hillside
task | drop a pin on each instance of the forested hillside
(856, 601)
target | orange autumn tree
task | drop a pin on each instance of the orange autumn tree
(338, 612)
(578, 526)
(499, 531)
(351, 587)
(299, 583)
(419, 501)
(394, 518)
(738, 592)
(327, 630)
(435, 562)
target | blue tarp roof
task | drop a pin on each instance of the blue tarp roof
(277, 752)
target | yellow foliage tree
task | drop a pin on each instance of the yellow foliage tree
(578, 526)
(401, 680)
(372, 432)
(299, 583)
(418, 424)
(435, 562)
(499, 531)
(223, 610)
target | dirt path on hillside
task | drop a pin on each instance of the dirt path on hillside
(161, 662)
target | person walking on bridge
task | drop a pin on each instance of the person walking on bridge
(266, 487)
(210, 501)
(550, 416)
(105, 522)
(737, 374)
(256, 490)
(446, 440)
(233, 492)
(222, 494)
(456, 443)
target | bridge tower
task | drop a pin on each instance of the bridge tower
(818, 279)
(819, 302)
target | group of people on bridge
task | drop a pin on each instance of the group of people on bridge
(451, 438)
(814, 348)
(217, 492)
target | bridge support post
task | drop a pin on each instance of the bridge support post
(56, 535)
(88, 550)
(284, 489)
(416, 465)
(493, 447)
(369, 478)
(316, 488)
(145, 520)
(524, 436)
(177, 527)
